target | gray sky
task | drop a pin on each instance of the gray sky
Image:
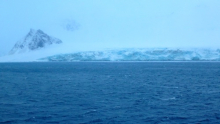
(113, 23)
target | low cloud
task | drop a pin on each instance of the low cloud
(70, 25)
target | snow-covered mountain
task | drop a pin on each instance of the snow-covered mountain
(34, 40)
(151, 54)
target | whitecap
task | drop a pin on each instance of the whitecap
(171, 98)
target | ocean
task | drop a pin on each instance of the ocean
(110, 93)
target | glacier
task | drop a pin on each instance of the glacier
(139, 54)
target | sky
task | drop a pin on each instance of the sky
(91, 24)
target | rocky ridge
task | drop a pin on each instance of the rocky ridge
(34, 40)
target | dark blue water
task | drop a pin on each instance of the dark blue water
(96, 92)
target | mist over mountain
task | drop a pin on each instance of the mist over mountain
(97, 25)
(1, 54)
(34, 40)
(114, 23)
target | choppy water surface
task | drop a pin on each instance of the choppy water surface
(99, 92)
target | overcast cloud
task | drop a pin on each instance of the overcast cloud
(85, 24)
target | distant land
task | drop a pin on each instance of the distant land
(141, 54)
(126, 54)
(36, 47)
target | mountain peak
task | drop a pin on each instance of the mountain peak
(32, 30)
(34, 40)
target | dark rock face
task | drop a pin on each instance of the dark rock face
(34, 40)
(40, 39)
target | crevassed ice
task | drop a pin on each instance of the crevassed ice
(162, 54)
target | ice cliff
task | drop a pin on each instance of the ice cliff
(145, 54)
